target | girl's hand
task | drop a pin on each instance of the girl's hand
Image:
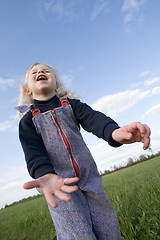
(134, 132)
(53, 185)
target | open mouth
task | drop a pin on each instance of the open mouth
(41, 78)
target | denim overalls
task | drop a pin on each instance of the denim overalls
(89, 215)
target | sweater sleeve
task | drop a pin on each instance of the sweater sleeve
(94, 121)
(36, 156)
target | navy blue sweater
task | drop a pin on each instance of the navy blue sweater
(37, 159)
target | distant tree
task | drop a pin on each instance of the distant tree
(115, 168)
(107, 172)
(150, 149)
(130, 162)
(142, 158)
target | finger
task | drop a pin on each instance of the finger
(148, 131)
(126, 136)
(69, 189)
(140, 127)
(145, 133)
(146, 143)
(144, 129)
(50, 199)
(71, 180)
(62, 196)
(31, 184)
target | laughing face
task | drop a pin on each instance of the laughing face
(41, 82)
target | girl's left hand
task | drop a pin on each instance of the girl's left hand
(53, 186)
(134, 132)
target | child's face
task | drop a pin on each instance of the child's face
(41, 82)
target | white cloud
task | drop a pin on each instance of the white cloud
(153, 110)
(143, 74)
(132, 14)
(67, 79)
(5, 83)
(9, 125)
(155, 138)
(70, 10)
(111, 105)
(5, 125)
(14, 100)
(156, 90)
(48, 4)
(106, 157)
(80, 68)
(128, 18)
(100, 5)
(151, 81)
(58, 9)
(11, 185)
(130, 5)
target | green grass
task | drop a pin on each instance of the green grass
(134, 192)
(29, 220)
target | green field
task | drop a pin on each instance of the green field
(134, 192)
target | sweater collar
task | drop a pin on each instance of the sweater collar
(37, 102)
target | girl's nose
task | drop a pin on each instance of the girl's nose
(40, 71)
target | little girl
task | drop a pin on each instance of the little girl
(59, 160)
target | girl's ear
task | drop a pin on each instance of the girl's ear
(27, 91)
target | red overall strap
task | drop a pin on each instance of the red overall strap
(35, 111)
(64, 101)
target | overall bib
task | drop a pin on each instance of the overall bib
(89, 215)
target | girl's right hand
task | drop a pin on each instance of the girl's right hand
(53, 185)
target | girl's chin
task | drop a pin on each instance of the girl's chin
(44, 93)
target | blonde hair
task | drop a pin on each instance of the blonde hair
(60, 90)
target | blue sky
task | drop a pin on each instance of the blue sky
(108, 51)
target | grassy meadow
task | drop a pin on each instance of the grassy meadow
(134, 192)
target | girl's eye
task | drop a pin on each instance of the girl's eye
(34, 72)
(47, 71)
